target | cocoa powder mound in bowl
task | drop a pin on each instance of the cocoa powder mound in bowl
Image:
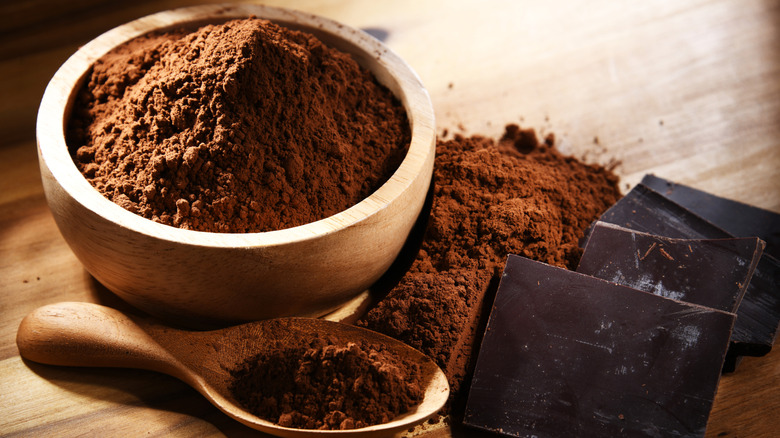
(209, 253)
(240, 127)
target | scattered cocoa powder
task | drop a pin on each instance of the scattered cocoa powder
(491, 198)
(248, 127)
(326, 383)
(239, 127)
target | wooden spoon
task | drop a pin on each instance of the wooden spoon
(85, 334)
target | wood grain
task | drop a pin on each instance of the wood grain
(689, 90)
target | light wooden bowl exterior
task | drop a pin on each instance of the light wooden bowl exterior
(198, 278)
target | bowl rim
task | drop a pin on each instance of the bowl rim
(60, 92)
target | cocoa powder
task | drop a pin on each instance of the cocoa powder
(250, 127)
(491, 198)
(326, 383)
(239, 127)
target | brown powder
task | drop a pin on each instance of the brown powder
(491, 199)
(241, 127)
(327, 384)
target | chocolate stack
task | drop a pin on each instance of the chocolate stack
(674, 286)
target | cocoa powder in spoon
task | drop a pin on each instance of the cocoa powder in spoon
(327, 383)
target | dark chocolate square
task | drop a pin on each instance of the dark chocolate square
(565, 354)
(643, 209)
(737, 218)
(709, 272)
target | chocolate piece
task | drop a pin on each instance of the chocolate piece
(643, 209)
(737, 218)
(566, 354)
(713, 273)
(758, 316)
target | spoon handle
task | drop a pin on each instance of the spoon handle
(85, 334)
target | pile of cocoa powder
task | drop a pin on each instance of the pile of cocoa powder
(516, 195)
(250, 127)
(241, 127)
(327, 383)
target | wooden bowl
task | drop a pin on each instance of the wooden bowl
(199, 279)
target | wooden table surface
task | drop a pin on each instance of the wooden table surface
(686, 89)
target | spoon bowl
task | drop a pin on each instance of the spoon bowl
(85, 334)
